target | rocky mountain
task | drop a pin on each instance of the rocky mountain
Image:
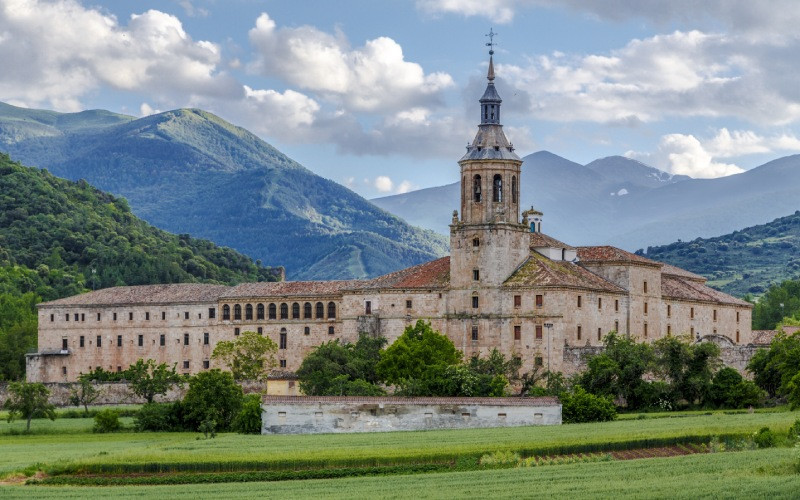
(189, 171)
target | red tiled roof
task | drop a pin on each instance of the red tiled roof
(612, 254)
(290, 288)
(763, 337)
(433, 274)
(673, 287)
(359, 400)
(681, 273)
(539, 271)
(542, 240)
(175, 293)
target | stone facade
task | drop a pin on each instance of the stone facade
(315, 415)
(506, 285)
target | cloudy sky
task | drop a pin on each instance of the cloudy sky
(381, 95)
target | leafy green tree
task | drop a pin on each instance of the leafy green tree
(18, 330)
(779, 302)
(342, 369)
(28, 400)
(777, 369)
(84, 392)
(249, 357)
(619, 371)
(416, 363)
(730, 390)
(687, 366)
(581, 406)
(248, 421)
(147, 380)
(213, 396)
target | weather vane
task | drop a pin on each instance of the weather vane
(491, 42)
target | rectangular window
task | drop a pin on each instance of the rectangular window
(331, 331)
(517, 332)
(63, 370)
(282, 341)
(599, 302)
(119, 340)
(186, 315)
(119, 368)
(76, 316)
(205, 338)
(81, 341)
(185, 339)
(67, 317)
(599, 334)
(737, 336)
(645, 287)
(616, 326)
(186, 364)
(715, 314)
(307, 330)
(368, 307)
(616, 305)
(645, 307)
(115, 316)
(130, 316)
(408, 304)
(99, 341)
(645, 330)
(98, 316)
(669, 329)
(580, 300)
(236, 331)
(260, 330)
(283, 365)
(691, 313)
(83, 317)
(538, 361)
(163, 315)
(474, 333)
(206, 364)
(476, 275)
(474, 301)
(737, 316)
(212, 313)
(476, 242)
(539, 300)
(669, 310)
(141, 340)
(538, 332)
(64, 344)
(579, 332)
(162, 340)
(517, 301)
(691, 331)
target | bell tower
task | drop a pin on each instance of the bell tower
(488, 242)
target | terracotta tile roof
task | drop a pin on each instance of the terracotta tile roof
(763, 337)
(612, 254)
(542, 240)
(176, 293)
(539, 271)
(433, 274)
(673, 287)
(360, 400)
(681, 273)
(290, 288)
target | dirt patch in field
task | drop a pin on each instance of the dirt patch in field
(19, 479)
(666, 451)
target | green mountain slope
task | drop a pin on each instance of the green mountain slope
(188, 171)
(746, 261)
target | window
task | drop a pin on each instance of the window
(476, 242)
(307, 310)
(669, 310)
(63, 370)
(691, 331)
(283, 365)
(320, 310)
(83, 317)
(715, 314)
(645, 287)
(517, 332)
(206, 364)
(517, 301)
(237, 312)
(284, 311)
(67, 317)
(331, 330)
(669, 329)
(282, 344)
(186, 364)
(497, 189)
(76, 317)
(162, 340)
(81, 341)
(579, 332)
(580, 301)
(226, 312)
(99, 341)
(164, 315)
(186, 315)
(474, 301)
(147, 316)
(64, 344)
(236, 331)
(737, 316)
(599, 334)
(272, 312)
(115, 317)
(599, 302)
(119, 340)
(476, 189)
(476, 275)
(248, 312)
(130, 316)
(212, 313)
(645, 307)
(514, 189)
(539, 300)
(205, 338)
(737, 336)
(474, 332)
(185, 339)
(691, 313)
(52, 317)
(616, 326)
(141, 340)
(119, 368)
(368, 307)
(616, 305)
(260, 331)
(306, 330)
(260, 311)
(98, 317)
(538, 361)
(538, 332)
(645, 330)
(295, 311)
(332, 310)
(409, 304)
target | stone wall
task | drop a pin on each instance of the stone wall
(315, 415)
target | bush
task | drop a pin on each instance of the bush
(213, 396)
(248, 421)
(730, 390)
(107, 421)
(794, 430)
(765, 438)
(160, 417)
(581, 406)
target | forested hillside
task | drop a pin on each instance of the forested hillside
(54, 233)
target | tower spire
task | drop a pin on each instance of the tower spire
(491, 43)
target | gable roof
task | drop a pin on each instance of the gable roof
(539, 271)
(673, 287)
(175, 293)
(433, 274)
(289, 288)
(607, 253)
(539, 240)
(681, 273)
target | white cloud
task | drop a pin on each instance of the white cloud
(374, 78)
(405, 187)
(147, 110)
(383, 184)
(728, 144)
(685, 155)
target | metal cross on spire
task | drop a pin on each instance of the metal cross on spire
(491, 42)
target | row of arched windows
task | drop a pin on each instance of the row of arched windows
(497, 189)
(310, 311)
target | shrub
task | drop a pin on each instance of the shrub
(107, 421)
(581, 406)
(730, 390)
(500, 458)
(794, 430)
(159, 417)
(248, 421)
(212, 396)
(765, 438)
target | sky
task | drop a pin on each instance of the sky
(381, 96)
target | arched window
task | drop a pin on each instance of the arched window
(476, 189)
(248, 312)
(237, 312)
(497, 188)
(226, 312)
(307, 310)
(295, 311)
(514, 189)
(331, 310)
(284, 311)
(320, 310)
(271, 310)
(260, 311)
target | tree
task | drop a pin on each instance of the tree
(730, 390)
(417, 361)
(213, 396)
(688, 367)
(342, 369)
(619, 371)
(581, 406)
(84, 392)
(28, 401)
(147, 380)
(249, 357)
(777, 369)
